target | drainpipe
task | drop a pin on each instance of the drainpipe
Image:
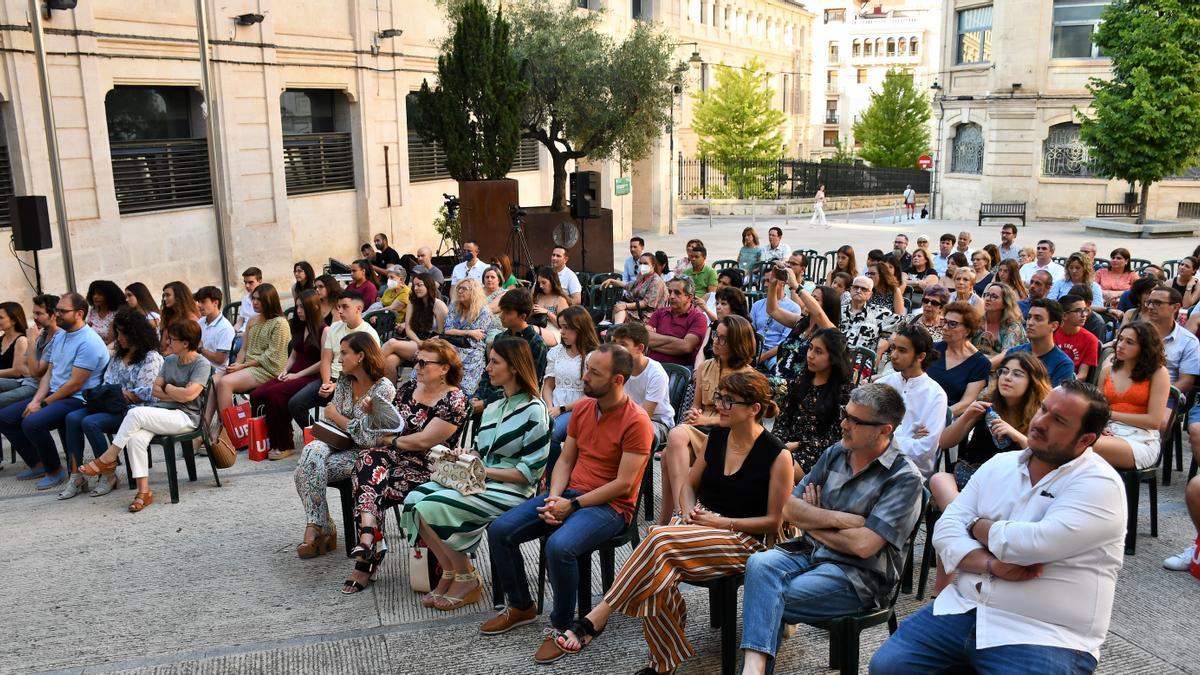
(215, 168)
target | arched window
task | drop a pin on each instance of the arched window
(966, 152)
(856, 49)
(878, 46)
(912, 47)
(891, 46)
(868, 48)
(903, 47)
(1065, 154)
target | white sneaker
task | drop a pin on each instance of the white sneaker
(1181, 562)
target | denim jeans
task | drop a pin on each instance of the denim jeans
(558, 434)
(580, 534)
(926, 643)
(11, 391)
(782, 586)
(31, 435)
(82, 424)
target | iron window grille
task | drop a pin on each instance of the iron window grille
(966, 153)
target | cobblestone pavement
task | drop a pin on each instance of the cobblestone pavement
(212, 584)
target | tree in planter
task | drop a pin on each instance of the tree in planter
(1146, 119)
(894, 129)
(841, 153)
(739, 127)
(590, 97)
(474, 113)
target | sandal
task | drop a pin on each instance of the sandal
(320, 545)
(430, 599)
(364, 552)
(98, 467)
(104, 486)
(353, 585)
(472, 596)
(141, 501)
(585, 633)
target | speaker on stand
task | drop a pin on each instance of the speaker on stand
(31, 228)
(585, 203)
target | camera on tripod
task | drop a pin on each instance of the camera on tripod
(451, 202)
(517, 214)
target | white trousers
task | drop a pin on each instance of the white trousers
(818, 213)
(143, 423)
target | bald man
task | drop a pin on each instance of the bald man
(425, 264)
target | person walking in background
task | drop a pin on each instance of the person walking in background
(819, 207)
(910, 201)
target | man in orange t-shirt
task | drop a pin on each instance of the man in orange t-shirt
(592, 498)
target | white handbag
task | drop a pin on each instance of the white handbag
(463, 473)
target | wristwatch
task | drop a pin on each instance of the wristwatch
(562, 409)
(971, 526)
(575, 505)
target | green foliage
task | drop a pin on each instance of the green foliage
(894, 129)
(739, 127)
(841, 153)
(1146, 120)
(475, 111)
(589, 95)
(448, 228)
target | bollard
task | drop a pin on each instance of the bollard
(710, 214)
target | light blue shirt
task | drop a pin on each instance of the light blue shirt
(83, 348)
(630, 273)
(772, 331)
(1063, 287)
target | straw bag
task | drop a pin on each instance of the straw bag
(463, 473)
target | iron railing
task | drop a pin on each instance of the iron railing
(318, 162)
(708, 178)
(152, 175)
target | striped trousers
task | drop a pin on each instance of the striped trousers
(648, 584)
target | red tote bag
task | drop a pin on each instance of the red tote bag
(236, 420)
(260, 443)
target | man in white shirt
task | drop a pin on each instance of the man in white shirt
(251, 278)
(1008, 242)
(471, 267)
(629, 273)
(1036, 538)
(320, 391)
(776, 251)
(924, 400)
(566, 278)
(964, 244)
(910, 202)
(216, 333)
(945, 249)
(1042, 261)
(649, 385)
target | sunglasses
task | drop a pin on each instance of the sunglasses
(929, 301)
(859, 422)
(421, 363)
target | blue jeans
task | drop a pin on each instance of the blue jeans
(782, 586)
(82, 424)
(558, 434)
(11, 391)
(580, 534)
(31, 435)
(928, 644)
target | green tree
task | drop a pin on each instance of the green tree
(591, 97)
(739, 126)
(474, 113)
(841, 154)
(1146, 119)
(894, 129)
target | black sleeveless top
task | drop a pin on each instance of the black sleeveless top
(744, 494)
(6, 357)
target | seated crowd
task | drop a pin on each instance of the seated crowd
(818, 408)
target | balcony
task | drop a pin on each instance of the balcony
(834, 59)
(833, 89)
(831, 118)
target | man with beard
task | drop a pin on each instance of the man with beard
(1037, 538)
(677, 329)
(592, 497)
(856, 507)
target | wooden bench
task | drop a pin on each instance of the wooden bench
(1006, 210)
(1117, 210)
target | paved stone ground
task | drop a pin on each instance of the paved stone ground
(212, 584)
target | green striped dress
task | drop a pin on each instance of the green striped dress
(514, 434)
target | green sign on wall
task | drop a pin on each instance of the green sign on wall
(621, 186)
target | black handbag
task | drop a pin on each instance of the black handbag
(106, 398)
(460, 341)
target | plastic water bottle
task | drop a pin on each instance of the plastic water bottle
(1001, 442)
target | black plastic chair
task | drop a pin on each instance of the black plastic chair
(232, 311)
(678, 379)
(723, 614)
(862, 361)
(601, 300)
(1133, 478)
(724, 264)
(168, 443)
(384, 323)
(844, 631)
(1175, 450)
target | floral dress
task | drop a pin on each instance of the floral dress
(1011, 335)
(650, 290)
(102, 324)
(472, 355)
(384, 476)
(799, 422)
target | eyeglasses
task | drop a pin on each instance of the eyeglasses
(864, 289)
(721, 339)
(930, 301)
(1017, 373)
(948, 323)
(992, 296)
(421, 363)
(1082, 311)
(727, 402)
(860, 422)
(1148, 302)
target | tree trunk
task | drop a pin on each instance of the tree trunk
(1141, 219)
(559, 200)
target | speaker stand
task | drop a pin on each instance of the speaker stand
(582, 244)
(37, 272)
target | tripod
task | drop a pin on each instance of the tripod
(517, 248)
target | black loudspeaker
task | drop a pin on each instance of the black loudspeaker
(585, 194)
(30, 223)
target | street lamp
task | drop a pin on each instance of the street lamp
(695, 58)
(937, 154)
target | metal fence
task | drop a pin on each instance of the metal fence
(708, 178)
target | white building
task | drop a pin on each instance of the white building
(855, 43)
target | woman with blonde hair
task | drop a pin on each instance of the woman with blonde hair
(733, 352)
(513, 443)
(1078, 270)
(964, 288)
(732, 498)
(467, 324)
(1001, 325)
